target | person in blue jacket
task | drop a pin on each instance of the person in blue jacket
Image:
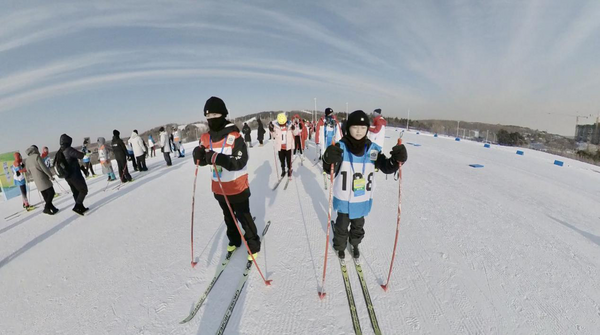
(354, 160)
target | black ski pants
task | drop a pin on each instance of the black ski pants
(340, 231)
(123, 170)
(286, 156)
(132, 157)
(167, 156)
(78, 187)
(298, 144)
(142, 163)
(48, 195)
(90, 168)
(242, 213)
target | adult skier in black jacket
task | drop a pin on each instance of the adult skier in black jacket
(73, 176)
(120, 152)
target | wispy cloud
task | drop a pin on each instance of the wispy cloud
(451, 59)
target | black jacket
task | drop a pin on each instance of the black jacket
(234, 162)
(261, 130)
(246, 130)
(119, 148)
(72, 156)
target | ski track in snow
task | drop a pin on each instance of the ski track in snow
(507, 249)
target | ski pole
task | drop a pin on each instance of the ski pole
(385, 286)
(275, 159)
(322, 293)
(193, 202)
(214, 157)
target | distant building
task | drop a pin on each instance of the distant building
(587, 133)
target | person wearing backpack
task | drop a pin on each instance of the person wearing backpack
(120, 152)
(42, 177)
(73, 174)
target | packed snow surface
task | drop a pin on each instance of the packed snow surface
(510, 248)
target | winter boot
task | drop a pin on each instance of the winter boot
(48, 211)
(54, 210)
(341, 254)
(77, 209)
(282, 173)
(355, 252)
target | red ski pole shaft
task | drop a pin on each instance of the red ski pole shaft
(331, 172)
(385, 286)
(267, 282)
(193, 207)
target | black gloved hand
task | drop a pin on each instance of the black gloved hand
(333, 154)
(18, 174)
(209, 157)
(199, 154)
(399, 153)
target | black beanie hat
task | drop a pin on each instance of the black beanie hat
(377, 111)
(328, 111)
(116, 133)
(357, 118)
(215, 105)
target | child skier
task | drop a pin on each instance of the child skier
(104, 157)
(87, 164)
(327, 130)
(355, 158)
(224, 146)
(19, 170)
(284, 143)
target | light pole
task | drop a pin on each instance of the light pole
(408, 120)
(457, 128)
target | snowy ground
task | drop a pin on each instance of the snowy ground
(511, 248)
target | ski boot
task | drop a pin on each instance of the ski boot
(250, 256)
(355, 252)
(341, 254)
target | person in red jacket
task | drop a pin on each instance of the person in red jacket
(377, 128)
(224, 146)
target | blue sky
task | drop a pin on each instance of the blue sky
(86, 68)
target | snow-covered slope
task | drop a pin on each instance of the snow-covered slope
(511, 248)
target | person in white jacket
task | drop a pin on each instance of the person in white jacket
(139, 150)
(165, 145)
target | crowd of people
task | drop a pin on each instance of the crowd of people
(72, 164)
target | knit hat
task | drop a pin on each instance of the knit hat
(215, 105)
(377, 112)
(116, 133)
(328, 111)
(357, 118)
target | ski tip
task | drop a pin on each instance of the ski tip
(384, 287)
(322, 295)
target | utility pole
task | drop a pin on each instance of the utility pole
(487, 135)
(408, 120)
(457, 128)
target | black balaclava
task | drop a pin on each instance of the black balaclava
(356, 146)
(217, 106)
